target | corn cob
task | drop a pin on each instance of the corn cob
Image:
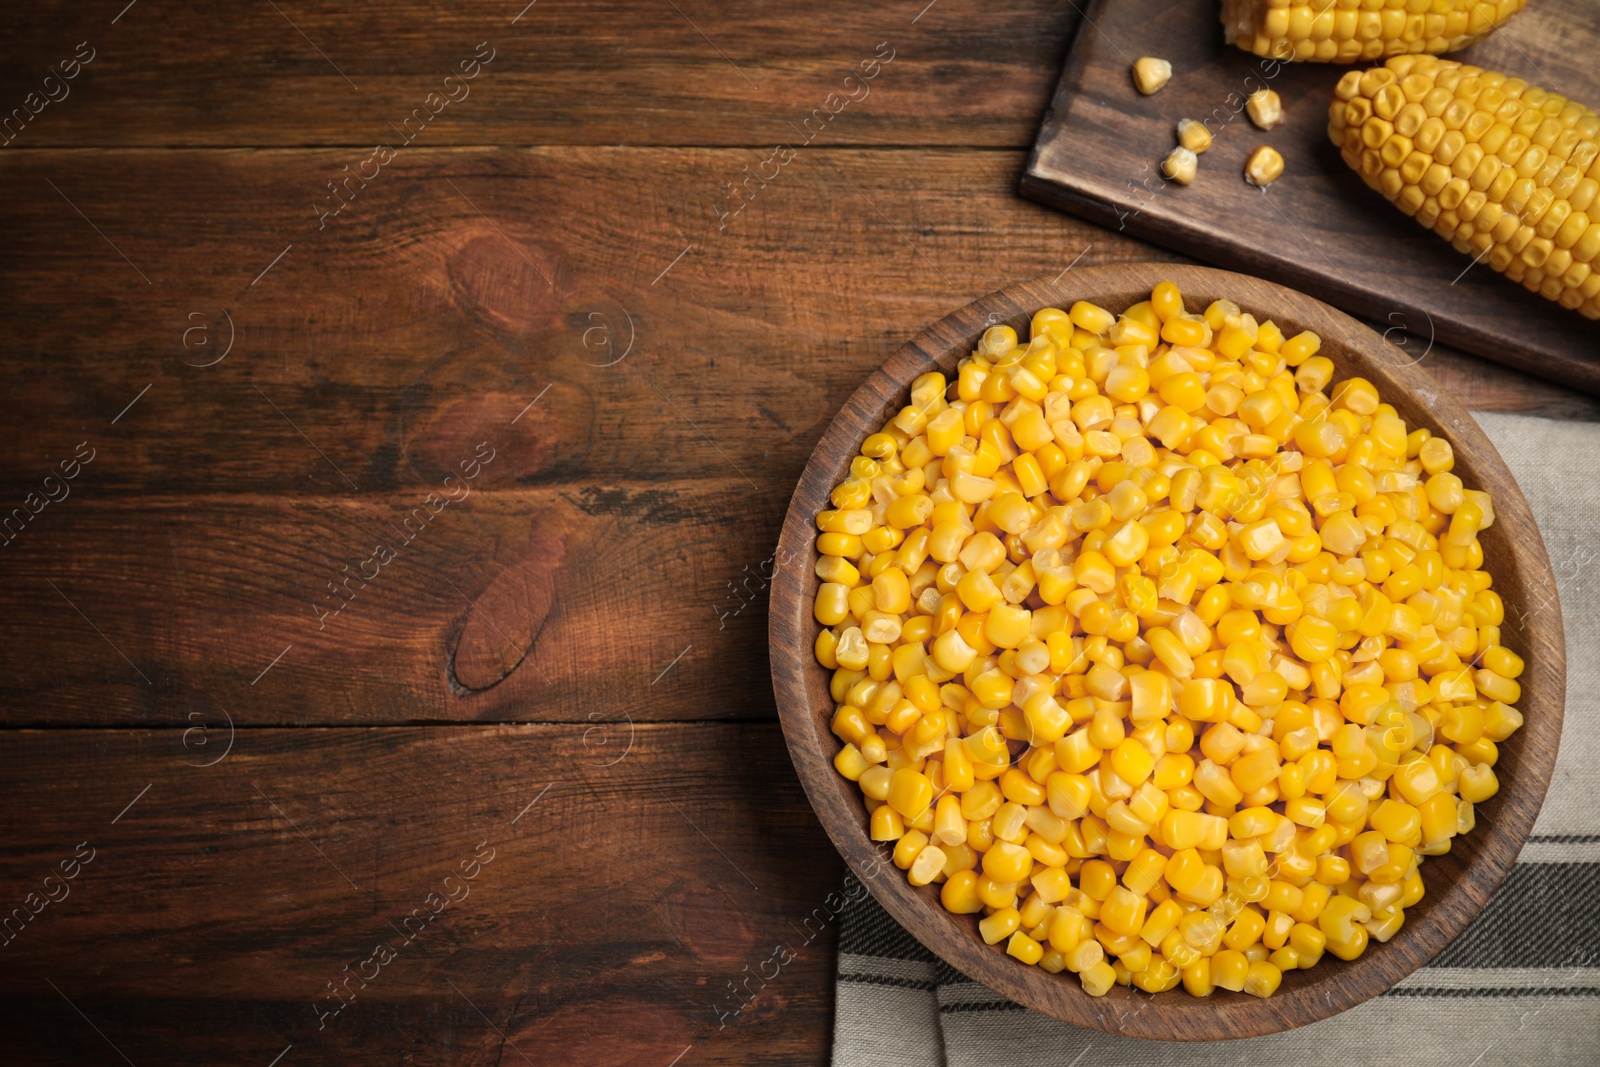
(1505, 171)
(1344, 31)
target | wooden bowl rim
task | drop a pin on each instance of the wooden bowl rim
(1520, 564)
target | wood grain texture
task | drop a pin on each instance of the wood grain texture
(458, 286)
(698, 72)
(383, 349)
(216, 909)
(1458, 884)
(614, 544)
(1480, 385)
(552, 605)
(387, 354)
(1318, 228)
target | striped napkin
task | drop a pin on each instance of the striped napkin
(1520, 986)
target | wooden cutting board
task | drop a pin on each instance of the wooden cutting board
(1318, 228)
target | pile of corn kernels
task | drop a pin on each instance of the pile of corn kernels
(1162, 657)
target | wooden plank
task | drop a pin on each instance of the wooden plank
(309, 72)
(611, 601)
(1319, 228)
(1481, 385)
(616, 510)
(616, 904)
(454, 290)
(382, 349)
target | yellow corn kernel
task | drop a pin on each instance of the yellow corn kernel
(1341, 918)
(1086, 954)
(950, 826)
(1306, 811)
(1478, 783)
(1349, 949)
(1312, 639)
(1150, 74)
(851, 763)
(1503, 662)
(1264, 166)
(1123, 911)
(1332, 870)
(1216, 784)
(1098, 979)
(1185, 870)
(909, 847)
(1007, 862)
(996, 894)
(1314, 898)
(832, 605)
(1024, 948)
(1265, 108)
(959, 894)
(1262, 979)
(1255, 770)
(999, 926)
(1161, 921)
(928, 865)
(1132, 761)
(887, 825)
(1496, 687)
(1411, 889)
(1182, 829)
(1382, 928)
(1194, 136)
(1229, 969)
(1500, 722)
(910, 792)
(1147, 867)
(1246, 930)
(1202, 932)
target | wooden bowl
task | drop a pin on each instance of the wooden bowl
(1458, 883)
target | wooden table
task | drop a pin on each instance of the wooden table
(385, 563)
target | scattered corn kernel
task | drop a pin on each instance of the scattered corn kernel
(1191, 664)
(1180, 166)
(1265, 108)
(1264, 167)
(1195, 136)
(1150, 74)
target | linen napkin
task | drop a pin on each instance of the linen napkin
(1520, 986)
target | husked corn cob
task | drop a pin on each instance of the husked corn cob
(1344, 31)
(1506, 172)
